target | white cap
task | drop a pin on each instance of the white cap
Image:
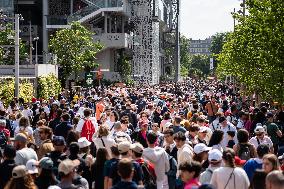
(67, 166)
(259, 129)
(32, 166)
(83, 142)
(203, 129)
(215, 155)
(199, 148)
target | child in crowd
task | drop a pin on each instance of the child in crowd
(231, 142)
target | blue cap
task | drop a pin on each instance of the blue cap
(58, 141)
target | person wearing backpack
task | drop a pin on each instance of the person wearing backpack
(87, 126)
(215, 160)
(226, 126)
(244, 149)
(149, 177)
(159, 157)
(4, 134)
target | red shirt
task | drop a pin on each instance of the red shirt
(6, 131)
(192, 184)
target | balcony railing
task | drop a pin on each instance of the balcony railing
(97, 4)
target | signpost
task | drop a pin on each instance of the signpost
(89, 78)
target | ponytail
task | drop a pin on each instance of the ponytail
(229, 156)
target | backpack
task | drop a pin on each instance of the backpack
(149, 180)
(120, 138)
(171, 174)
(244, 152)
(88, 130)
(3, 139)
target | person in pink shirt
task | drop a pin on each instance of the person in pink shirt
(189, 173)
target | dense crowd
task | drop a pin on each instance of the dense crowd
(196, 134)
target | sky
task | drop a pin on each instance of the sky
(200, 19)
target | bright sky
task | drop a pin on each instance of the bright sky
(203, 18)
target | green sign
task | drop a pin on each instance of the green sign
(89, 78)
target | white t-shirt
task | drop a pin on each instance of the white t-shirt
(236, 179)
(229, 127)
(82, 121)
(266, 140)
(25, 154)
(27, 113)
(104, 142)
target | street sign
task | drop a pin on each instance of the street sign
(89, 78)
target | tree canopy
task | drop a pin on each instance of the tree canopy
(254, 52)
(7, 37)
(75, 49)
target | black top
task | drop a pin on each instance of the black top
(62, 129)
(6, 171)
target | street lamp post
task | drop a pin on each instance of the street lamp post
(36, 58)
(17, 54)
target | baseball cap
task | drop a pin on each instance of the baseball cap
(83, 142)
(199, 148)
(203, 130)
(215, 155)
(137, 147)
(67, 166)
(32, 166)
(58, 141)
(269, 114)
(124, 147)
(221, 119)
(21, 137)
(239, 161)
(259, 129)
(19, 171)
(46, 163)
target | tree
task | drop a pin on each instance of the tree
(184, 51)
(199, 64)
(254, 52)
(75, 50)
(217, 43)
(7, 34)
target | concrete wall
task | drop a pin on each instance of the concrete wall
(105, 59)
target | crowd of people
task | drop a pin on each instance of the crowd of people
(196, 134)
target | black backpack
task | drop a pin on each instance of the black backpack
(3, 139)
(244, 152)
(149, 180)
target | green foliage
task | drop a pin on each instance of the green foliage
(184, 51)
(218, 40)
(26, 90)
(199, 64)
(48, 86)
(7, 54)
(254, 52)
(75, 50)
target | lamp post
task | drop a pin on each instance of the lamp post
(36, 58)
(17, 54)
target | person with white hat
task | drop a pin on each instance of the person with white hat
(32, 168)
(215, 160)
(124, 149)
(67, 172)
(84, 153)
(261, 138)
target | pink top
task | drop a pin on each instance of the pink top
(192, 184)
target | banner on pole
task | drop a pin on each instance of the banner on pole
(211, 63)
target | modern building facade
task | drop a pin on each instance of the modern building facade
(200, 46)
(127, 28)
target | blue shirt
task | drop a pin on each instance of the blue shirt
(125, 185)
(250, 167)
